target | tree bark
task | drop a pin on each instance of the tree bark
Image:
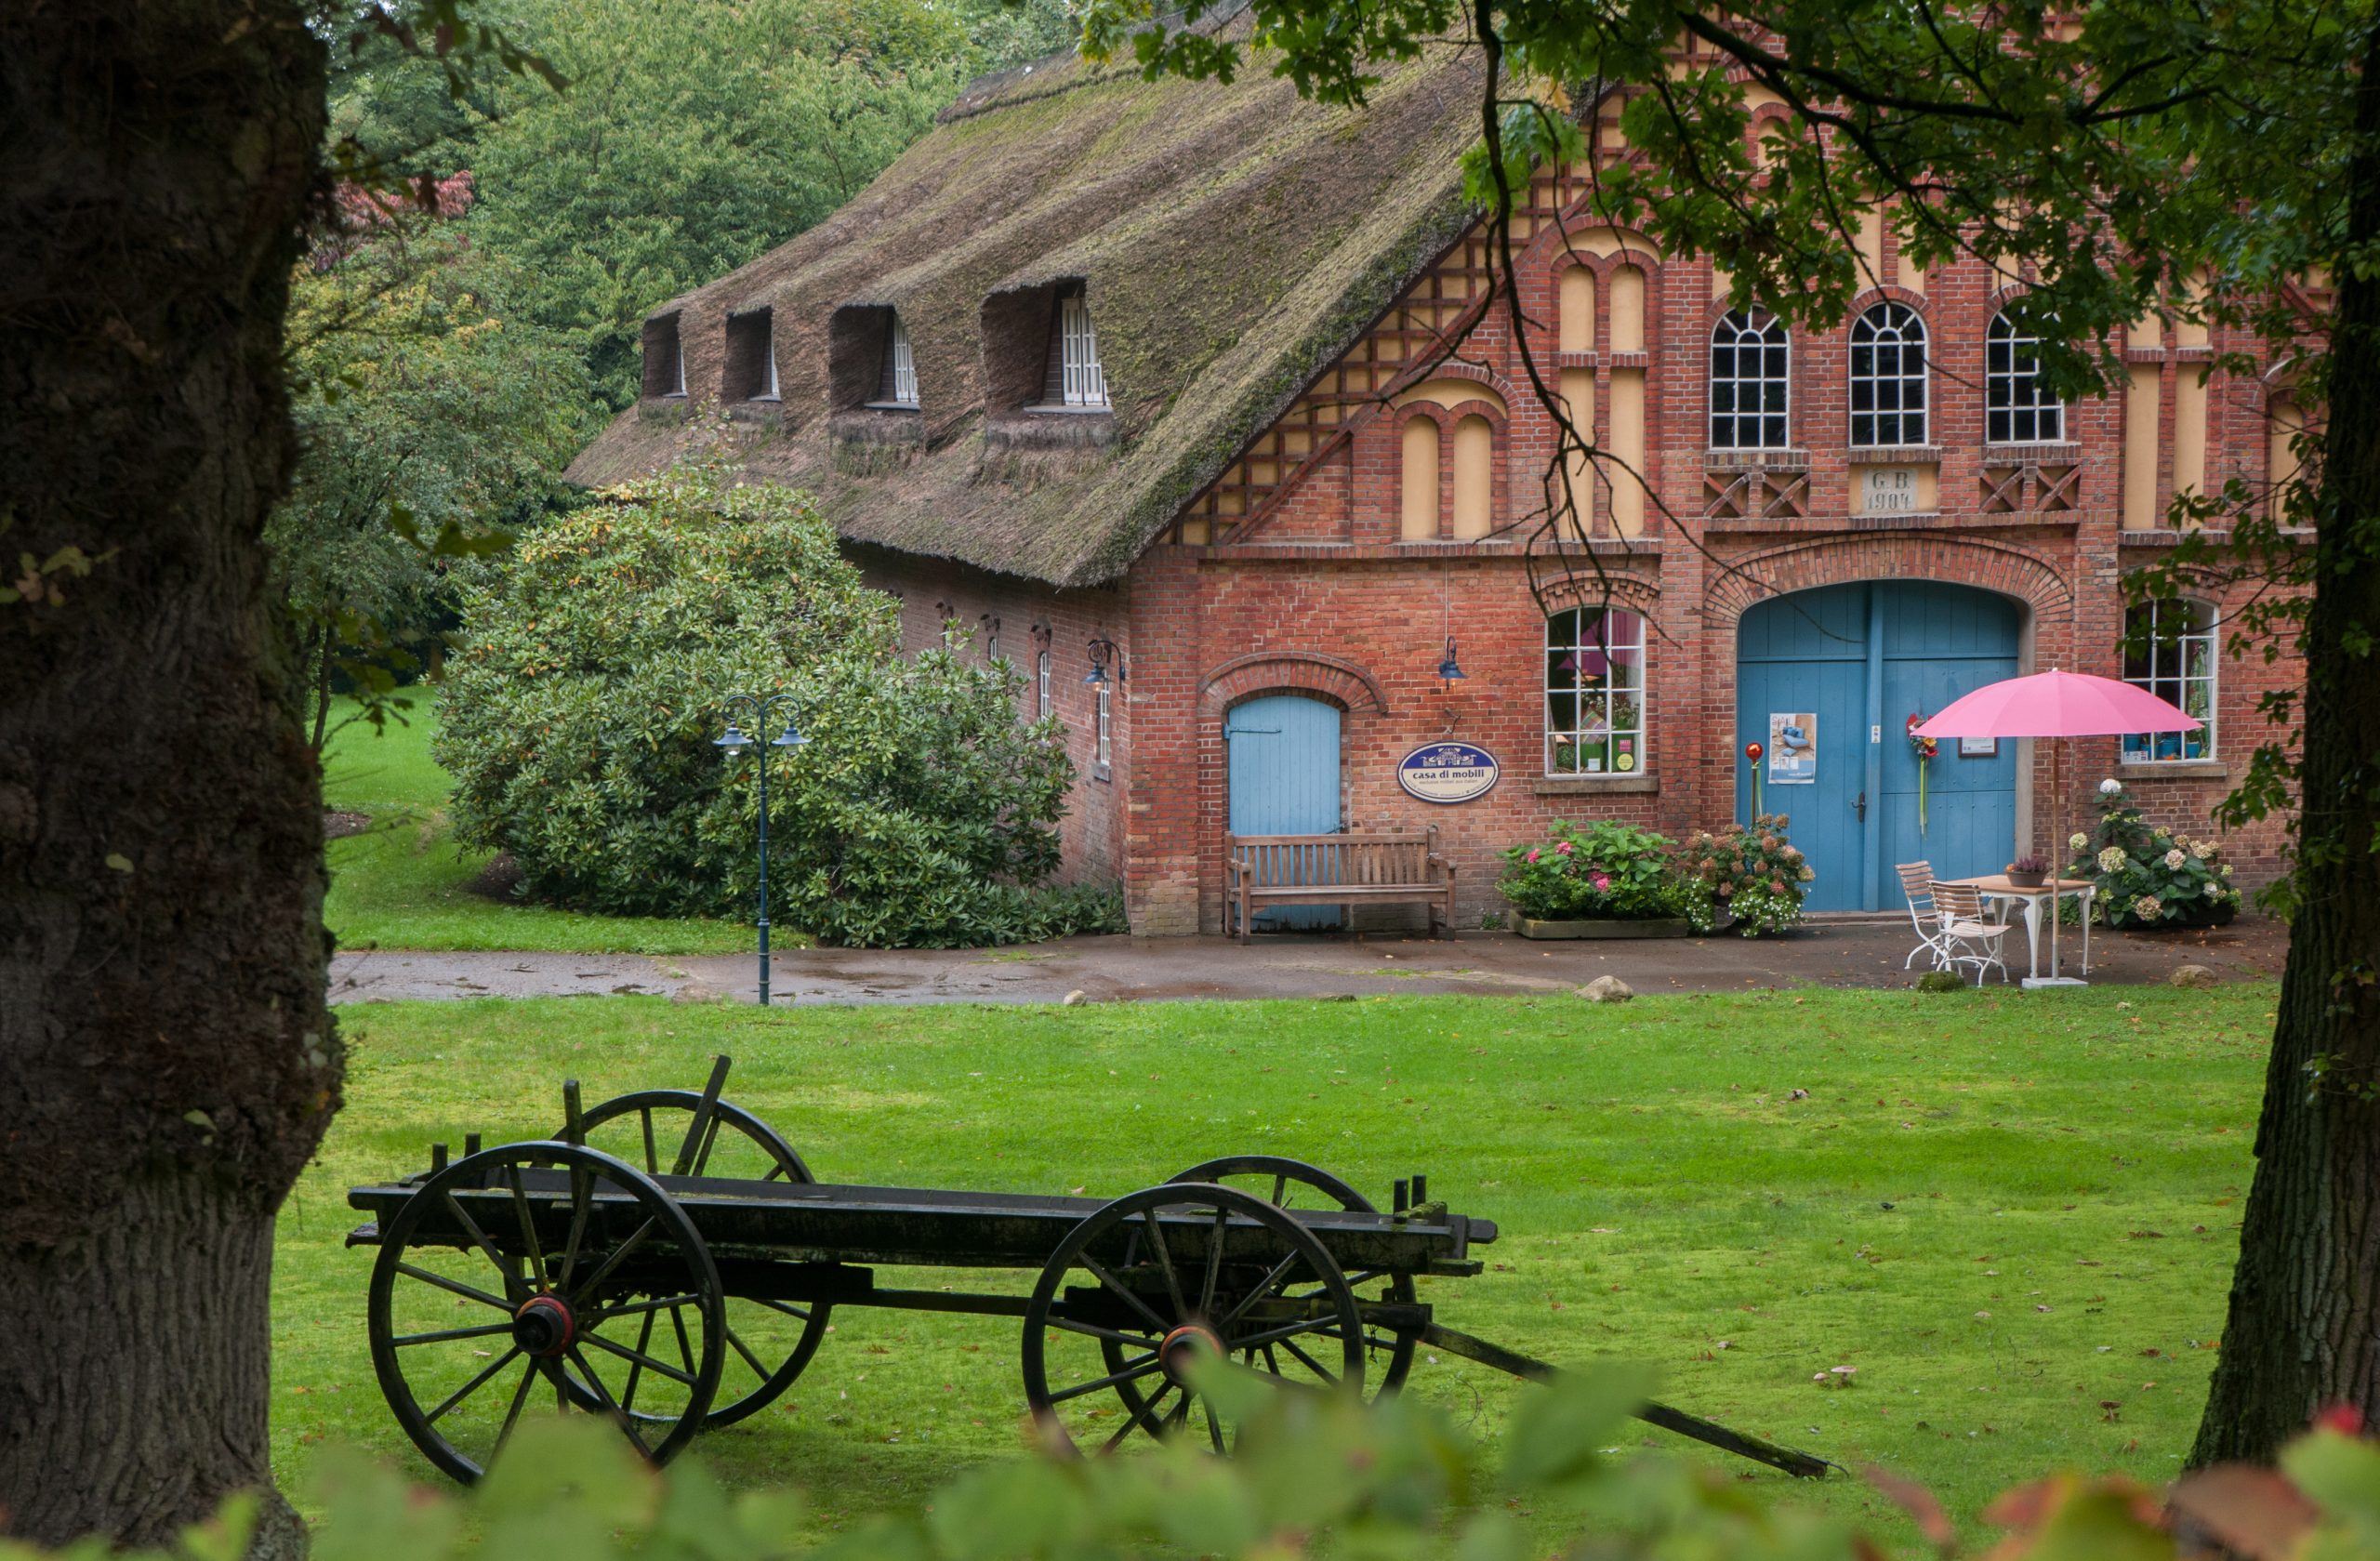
(2304, 1329)
(166, 1061)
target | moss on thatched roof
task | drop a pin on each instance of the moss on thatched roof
(1234, 242)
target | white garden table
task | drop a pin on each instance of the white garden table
(2004, 896)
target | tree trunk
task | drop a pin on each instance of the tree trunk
(2303, 1330)
(166, 1061)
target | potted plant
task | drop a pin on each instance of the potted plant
(1605, 879)
(2028, 871)
(1750, 877)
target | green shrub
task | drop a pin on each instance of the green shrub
(578, 721)
(2149, 875)
(1606, 869)
(1755, 875)
(1312, 1474)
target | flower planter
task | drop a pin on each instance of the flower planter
(1652, 927)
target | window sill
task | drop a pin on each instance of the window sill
(1103, 773)
(1893, 454)
(1061, 409)
(1596, 786)
(889, 405)
(2175, 769)
(2023, 453)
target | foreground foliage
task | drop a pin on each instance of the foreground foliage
(1395, 1480)
(579, 719)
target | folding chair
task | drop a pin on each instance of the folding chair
(1968, 938)
(1917, 886)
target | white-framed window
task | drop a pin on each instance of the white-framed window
(1594, 692)
(1106, 728)
(1041, 686)
(1888, 377)
(1750, 378)
(1082, 382)
(2169, 648)
(2019, 409)
(899, 386)
(992, 643)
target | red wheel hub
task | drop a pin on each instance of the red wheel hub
(1187, 1345)
(543, 1326)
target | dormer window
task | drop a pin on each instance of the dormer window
(749, 369)
(1074, 382)
(897, 387)
(665, 357)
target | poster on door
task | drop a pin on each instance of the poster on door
(1793, 748)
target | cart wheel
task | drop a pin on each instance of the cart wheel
(1282, 1182)
(767, 1341)
(550, 1257)
(1181, 1271)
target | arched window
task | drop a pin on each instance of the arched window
(1041, 686)
(1419, 496)
(2169, 648)
(2019, 409)
(1888, 377)
(1750, 360)
(1594, 692)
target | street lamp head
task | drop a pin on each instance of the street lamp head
(735, 742)
(788, 739)
(1451, 668)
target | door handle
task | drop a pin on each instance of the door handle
(1859, 805)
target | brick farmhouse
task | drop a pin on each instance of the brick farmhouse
(1201, 386)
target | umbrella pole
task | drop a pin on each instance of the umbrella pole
(2056, 874)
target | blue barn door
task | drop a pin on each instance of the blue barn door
(1861, 659)
(1284, 781)
(1941, 642)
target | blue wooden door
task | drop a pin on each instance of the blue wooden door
(1806, 654)
(1284, 781)
(1941, 642)
(1860, 660)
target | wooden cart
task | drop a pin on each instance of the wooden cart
(668, 1260)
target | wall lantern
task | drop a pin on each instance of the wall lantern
(1451, 668)
(1102, 651)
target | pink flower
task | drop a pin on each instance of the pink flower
(1531, 856)
(1562, 849)
(1603, 883)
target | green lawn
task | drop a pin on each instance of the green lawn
(405, 883)
(2003, 1210)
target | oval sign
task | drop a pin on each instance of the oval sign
(1447, 772)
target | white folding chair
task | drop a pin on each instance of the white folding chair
(1967, 937)
(1917, 886)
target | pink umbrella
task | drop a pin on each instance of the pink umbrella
(2057, 704)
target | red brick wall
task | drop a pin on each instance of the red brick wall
(933, 590)
(1309, 588)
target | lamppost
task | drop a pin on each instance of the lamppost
(762, 711)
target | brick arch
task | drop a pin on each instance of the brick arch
(1631, 591)
(1889, 292)
(1245, 677)
(1995, 566)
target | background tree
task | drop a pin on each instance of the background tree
(696, 136)
(167, 1063)
(2126, 158)
(431, 421)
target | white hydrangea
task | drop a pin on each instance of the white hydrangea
(2113, 860)
(2077, 840)
(2176, 858)
(2110, 787)
(2227, 870)
(2149, 907)
(2213, 889)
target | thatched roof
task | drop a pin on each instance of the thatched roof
(1234, 241)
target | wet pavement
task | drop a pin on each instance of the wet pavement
(1833, 952)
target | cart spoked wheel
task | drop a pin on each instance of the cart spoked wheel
(536, 1269)
(1180, 1273)
(767, 1341)
(1288, 1184)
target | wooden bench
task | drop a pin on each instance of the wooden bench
(1342, 869)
